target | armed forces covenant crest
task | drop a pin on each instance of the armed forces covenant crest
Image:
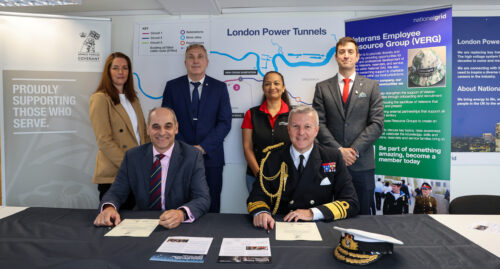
(87, 52)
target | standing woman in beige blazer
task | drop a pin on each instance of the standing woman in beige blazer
(118, 121)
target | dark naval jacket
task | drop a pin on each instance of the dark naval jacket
(325, 184)
(393, 206)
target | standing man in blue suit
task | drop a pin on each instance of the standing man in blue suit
(202, 106)
(351, 118)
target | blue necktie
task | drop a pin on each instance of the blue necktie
(155, 184)
(195, 100)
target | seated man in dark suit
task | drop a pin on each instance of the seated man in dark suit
(165, 175)
(305, 180)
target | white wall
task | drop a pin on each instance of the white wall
(465, 180)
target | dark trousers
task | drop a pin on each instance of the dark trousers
(129, 203)
(365, 187)
(214, 181)
(373, 210)
(378, 199)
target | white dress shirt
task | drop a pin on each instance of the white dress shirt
(131, 115)
(341, 82)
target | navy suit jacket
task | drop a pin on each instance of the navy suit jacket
(214, 116)
(185, 184)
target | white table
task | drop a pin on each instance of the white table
(463, 224)
(6, 211)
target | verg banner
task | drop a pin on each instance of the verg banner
(410, 55)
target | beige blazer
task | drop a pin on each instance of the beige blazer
(114, 134)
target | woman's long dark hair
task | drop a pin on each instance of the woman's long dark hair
(106, 84)
(284, 95)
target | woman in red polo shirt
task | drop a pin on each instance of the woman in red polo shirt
(266, 124)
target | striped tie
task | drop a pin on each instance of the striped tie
(155, 184)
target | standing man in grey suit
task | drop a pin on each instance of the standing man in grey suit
(351, 118)
(166, 175)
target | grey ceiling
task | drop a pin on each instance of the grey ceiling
(191, 7)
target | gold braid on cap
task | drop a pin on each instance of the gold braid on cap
(282, 173)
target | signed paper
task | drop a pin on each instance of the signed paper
(134, 228)
(289, 231)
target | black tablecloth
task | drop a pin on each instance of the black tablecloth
(66, 238)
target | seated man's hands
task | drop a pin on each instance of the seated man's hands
(299, 214)
(171, 218)
(264, 220)
(108, 217)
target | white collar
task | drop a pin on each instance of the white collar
(296, 155)
(200, 81)
(352, 77)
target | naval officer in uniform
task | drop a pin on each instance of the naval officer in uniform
(305, 180)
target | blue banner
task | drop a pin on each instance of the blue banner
(476, 87)
(410, 55)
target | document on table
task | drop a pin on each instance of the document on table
(288, 231)
(134, 228)
(183, 249)
(186, 245)
(246, 250)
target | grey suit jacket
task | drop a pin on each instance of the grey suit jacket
(185, 184)
(359, 127)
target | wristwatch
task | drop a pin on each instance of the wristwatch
(185, 213)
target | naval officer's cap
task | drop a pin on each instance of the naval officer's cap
(359, 247)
